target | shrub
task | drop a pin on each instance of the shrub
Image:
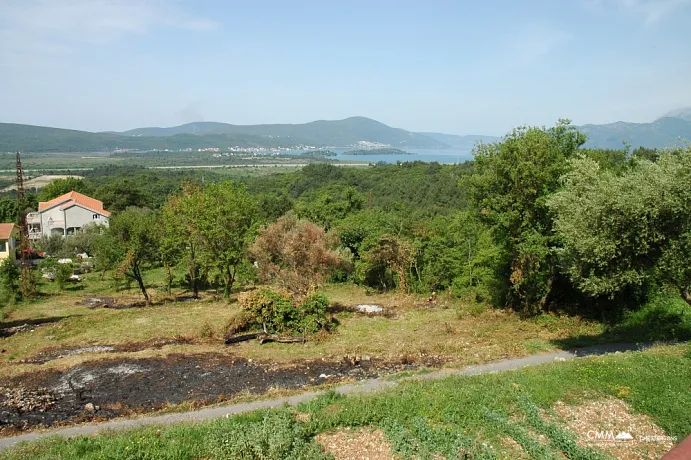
(664, 317)
(9, 281)
(60, 273)
(277, 313)
(277, 436)
(296, 254)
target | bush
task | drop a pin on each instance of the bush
(9, 281)
(60, 273)
(277, 436)
(296, 254)
(277, 313)
(664, 317)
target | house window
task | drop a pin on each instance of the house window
(3, 246)
(95, 216)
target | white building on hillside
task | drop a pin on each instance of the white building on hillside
(65, 215)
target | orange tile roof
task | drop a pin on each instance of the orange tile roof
(6, 231)
(69, 199)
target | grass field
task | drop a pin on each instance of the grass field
(450, 331)
(545, 412)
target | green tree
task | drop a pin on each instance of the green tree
(457, 253)
(122, 194)
(511, 183)
(329, 206)
(614, 160)
(622, 231)
(8, 210)
(169, 243)
(226, 221)
(643, 153)
(61, 186)
(53, 245)
(179, 234)
(84, 241)
(131, 237)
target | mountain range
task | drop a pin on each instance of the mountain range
(667, 130)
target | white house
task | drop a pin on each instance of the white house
(65, 215)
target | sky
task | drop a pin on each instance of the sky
(457, 66)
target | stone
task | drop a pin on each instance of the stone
(367, 308)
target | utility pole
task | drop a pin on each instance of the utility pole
(27, 276)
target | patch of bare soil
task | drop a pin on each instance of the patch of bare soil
(109, 388)
(50, 354)
(91, 302)
(613, 418)
(360, 444)
(8, 329)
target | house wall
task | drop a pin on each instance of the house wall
(10, 247)
(75, 216)
(58, 217)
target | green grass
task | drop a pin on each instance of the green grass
(455, 416)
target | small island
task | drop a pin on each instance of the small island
(318, 153)
(382, 151)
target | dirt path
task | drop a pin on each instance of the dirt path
(362, 386)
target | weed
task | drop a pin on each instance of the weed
(562, 440)
(206, 331)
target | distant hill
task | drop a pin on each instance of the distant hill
(28, 138)
(460, 142)
(660, 133)
(683, 113)
(340, 133)
(337, 133)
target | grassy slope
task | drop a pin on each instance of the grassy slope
(456, 332)
(422, 419)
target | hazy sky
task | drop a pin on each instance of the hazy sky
(458, 66)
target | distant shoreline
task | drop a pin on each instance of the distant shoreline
(381, 151)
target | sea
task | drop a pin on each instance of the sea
(443, 156)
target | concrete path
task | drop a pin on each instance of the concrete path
(364, 386)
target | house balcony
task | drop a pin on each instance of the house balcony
(35, 233)
(33, 218)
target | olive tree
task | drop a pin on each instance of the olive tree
(620, 231)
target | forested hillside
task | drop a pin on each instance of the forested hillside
(339, 133)
(499, 229)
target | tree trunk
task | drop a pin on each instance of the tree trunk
(230, 280)
(193, 272)
(402, 283)
(169, 276)
(140, 281)
(544, 301)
